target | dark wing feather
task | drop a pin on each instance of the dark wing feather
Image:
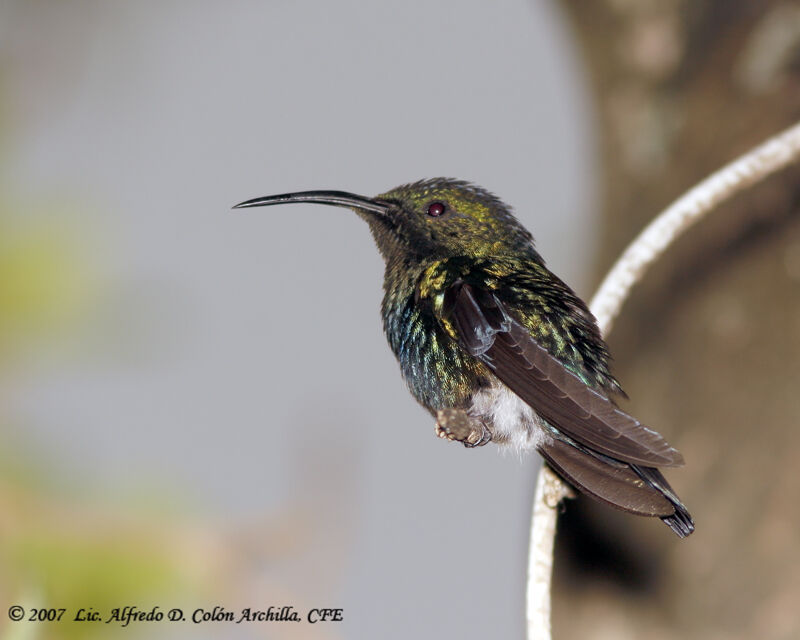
(488, 331)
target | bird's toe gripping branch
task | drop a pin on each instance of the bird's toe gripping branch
(458, 425)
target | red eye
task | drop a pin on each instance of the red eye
(435, 209)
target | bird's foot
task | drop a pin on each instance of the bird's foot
(458, 425)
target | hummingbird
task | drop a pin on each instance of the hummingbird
(498, 348)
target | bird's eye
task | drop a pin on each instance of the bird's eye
(435, 209)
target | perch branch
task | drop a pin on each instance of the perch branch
(758, 163)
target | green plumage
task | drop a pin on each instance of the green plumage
(498, 348)
(437, 371)
(481, 243)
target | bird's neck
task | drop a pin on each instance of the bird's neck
(401, 277)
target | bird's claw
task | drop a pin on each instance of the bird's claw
(457, 425)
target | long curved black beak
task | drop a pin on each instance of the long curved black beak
(335, 198)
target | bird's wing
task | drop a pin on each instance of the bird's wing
(487, 330)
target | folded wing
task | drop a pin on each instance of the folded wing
(488, 331)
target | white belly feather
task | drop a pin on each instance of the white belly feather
(511, 421)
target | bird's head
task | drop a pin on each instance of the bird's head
(429, 219)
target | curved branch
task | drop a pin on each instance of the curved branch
(550, 491)
(751, 168)
(767, 158)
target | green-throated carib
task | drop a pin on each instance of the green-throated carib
(498, 348)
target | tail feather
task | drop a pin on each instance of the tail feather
(629, 487)
(681, 521)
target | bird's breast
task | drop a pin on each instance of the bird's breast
(438, 372)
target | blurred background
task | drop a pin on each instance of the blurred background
(198, 407)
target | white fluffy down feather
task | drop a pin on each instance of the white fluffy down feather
(511, 421)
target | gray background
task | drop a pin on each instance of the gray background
(235, 361)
